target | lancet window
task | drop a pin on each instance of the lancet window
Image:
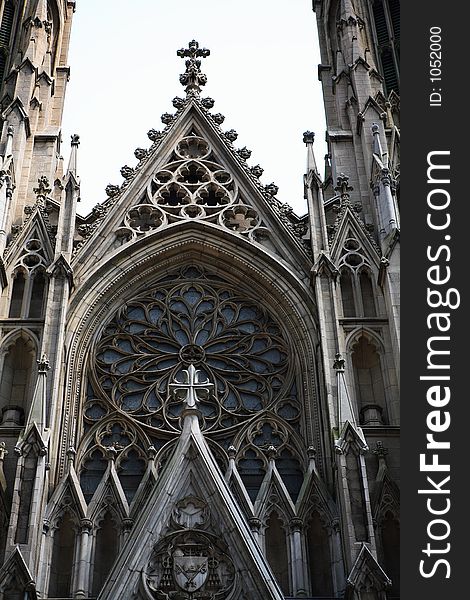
(17, 364)
(386, 18)
(29, 284)
(6, 23)
(358, 292)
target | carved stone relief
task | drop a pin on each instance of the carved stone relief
(190, 562)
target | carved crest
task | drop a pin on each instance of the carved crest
(189, 563)
(190, 571)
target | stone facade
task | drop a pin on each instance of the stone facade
(199, 388)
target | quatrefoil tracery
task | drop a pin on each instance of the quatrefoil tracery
(193, 185)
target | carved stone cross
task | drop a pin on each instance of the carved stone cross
(192, 389)
(241, 221)
(193, 79)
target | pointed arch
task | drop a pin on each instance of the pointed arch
(368, 292)
(366, 355)
(38, 294)
(226, 256)
(6, 26)
(319, 556)
(106, 548)
(54, 17)
(347, 292)
(64, 539)
(275, 539)
(18, 354)
(17, 295)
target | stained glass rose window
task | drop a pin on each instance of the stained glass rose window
(191, 317)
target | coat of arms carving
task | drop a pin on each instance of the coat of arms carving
(189, 563)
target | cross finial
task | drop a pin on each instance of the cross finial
(192, 389)
(193, 79)
(43, 364)
(343, 187)
(338, 365)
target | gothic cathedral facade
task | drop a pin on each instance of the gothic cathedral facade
(198, 387)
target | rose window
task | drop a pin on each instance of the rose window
(193, 318)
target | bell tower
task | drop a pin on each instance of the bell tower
(354, 211)
(34, 41)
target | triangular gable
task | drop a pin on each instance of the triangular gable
(203, 180)
(386, 498)
(367, 574)
(351, 436)
(109, 495)
(35, 227)
(15, 577)
(314, 495)
(348, 225)
(273, 486)
(68, 486)
(155, 556)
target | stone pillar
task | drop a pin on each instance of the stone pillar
(297, 558)
(83, 564)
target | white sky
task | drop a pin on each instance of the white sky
(262, 73)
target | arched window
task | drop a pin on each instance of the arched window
(386, 14)
(106, 549)
(93, 469)
(16, 381)
(53, 17)
(17, 295)
(319, 559)
(276, 550)
(369, 382)
(131, 470)
(6, 25)
(62, 558)
(358, 292)
(38, 287)
(390, 530)
(347, 293)
(193, 316)
(28, 294)
(367, 294)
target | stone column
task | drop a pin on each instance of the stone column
(82, 574)
(297, 559)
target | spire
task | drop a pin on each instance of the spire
(72, 167)
(345, 409)
(376, 145)
(38, 22)
(41, 11)
(193, 78)
(37, 412)
(309, 138)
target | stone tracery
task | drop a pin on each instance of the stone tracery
(195, 319)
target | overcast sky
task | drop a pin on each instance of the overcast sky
(262, 73)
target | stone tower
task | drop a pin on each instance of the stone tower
(198, 388)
